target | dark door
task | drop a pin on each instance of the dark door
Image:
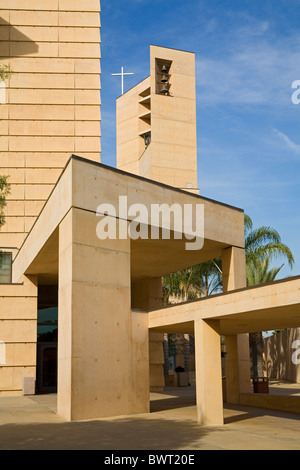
(46, 368)
(47, 329)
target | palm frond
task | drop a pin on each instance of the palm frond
(261, 236)
(248, 224)
(271, 251)
(258, 272)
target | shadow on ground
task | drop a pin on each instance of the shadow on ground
(31, 423)
(120, 434)
(239, 413)
(172, 403)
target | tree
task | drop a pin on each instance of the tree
(258, 272)
(195, 282)
(207, 278)
(5, 72)
(4, 191)
(190, 283)
(262, 245)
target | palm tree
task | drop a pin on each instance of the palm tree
(194, 282)
(262, 245)
(258, 272)
(190, 283)
(207, 278)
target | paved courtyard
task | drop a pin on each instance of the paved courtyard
(32, 423)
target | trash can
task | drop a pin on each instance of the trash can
(260, 385)
(183, 379)
(182, 376)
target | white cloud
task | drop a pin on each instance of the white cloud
(254, 69)
(295, 148)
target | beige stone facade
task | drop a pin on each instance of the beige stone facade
(106, 291)
(50, 109)
(156, 122)
(109, 301)
(107, 288)
(18, 334)
(52, 103)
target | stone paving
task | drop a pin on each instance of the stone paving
(32, 423)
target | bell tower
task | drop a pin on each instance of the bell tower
(156, 122)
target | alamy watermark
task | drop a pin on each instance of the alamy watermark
(296, 354)
(296, 95)
(158, 221)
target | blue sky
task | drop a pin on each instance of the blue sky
(247, 57)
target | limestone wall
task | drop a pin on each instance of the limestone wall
(52, 102)
(18, 335)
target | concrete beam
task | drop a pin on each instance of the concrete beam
(261, 308)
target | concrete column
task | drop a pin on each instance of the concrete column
(244, 363)
(237, 346)
(147, 294)
(233, 269)
(232, 370)
(208, 372)
(102, 346)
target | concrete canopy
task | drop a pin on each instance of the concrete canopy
(262, 308)
(103, 353)
(84, 185)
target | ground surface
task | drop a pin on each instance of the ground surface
(32, 423)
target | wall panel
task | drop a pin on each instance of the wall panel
(52, 104)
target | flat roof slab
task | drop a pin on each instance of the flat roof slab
(84, 185)
(262, 308)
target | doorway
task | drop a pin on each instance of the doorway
(47, 331)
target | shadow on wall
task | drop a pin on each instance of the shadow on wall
(281, 355)
(14, 43)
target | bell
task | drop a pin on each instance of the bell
(164, 69)
(164, 90)
(164, 78)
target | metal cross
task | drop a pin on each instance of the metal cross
(122, 75)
